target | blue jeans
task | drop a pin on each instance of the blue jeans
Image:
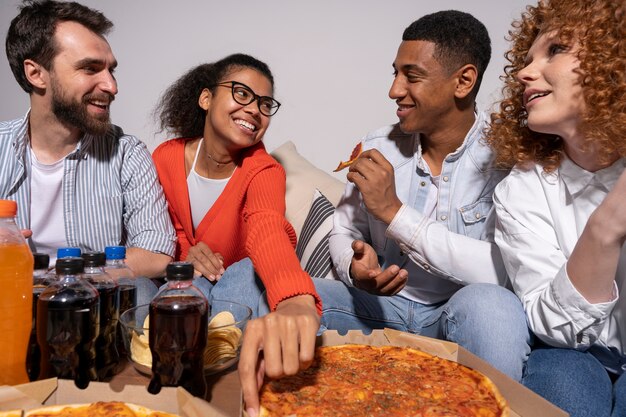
(486, 319)
(239, 283)
(576, 382)
(145, 290)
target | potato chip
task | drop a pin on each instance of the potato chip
(223, 339)
(140, 349)
(223, 318)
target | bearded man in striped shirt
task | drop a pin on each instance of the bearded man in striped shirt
(78, 180)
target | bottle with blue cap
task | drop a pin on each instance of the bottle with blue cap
(107, 356)
(127, 290)
(68, 252)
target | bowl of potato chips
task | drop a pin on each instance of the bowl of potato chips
(226, 324)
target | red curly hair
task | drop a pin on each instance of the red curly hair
(599, 27)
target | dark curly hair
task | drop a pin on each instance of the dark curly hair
(599, 27)
(459, 39)
(178, 108)
(31, 33)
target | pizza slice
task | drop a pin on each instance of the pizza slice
(98, 409)
(353, 156)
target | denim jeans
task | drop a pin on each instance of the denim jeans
(576, 382)
(146, 289)
(239, 283)
(486, 319)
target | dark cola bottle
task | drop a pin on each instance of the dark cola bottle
(68, 322)
(178, 332)
(41, 279)
(116, 267)
(107, 356)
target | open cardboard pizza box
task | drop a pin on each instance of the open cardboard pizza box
(60, 391)
(523, 402)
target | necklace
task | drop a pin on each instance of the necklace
(219, 164)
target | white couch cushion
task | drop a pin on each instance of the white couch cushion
(303, 178)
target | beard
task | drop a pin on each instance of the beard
(74, 112)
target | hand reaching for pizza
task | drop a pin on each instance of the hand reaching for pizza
(367, 274)
(278, 344)
(373, 175)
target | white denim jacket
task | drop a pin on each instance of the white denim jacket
(441, 255)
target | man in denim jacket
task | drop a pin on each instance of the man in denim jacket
(413, 234)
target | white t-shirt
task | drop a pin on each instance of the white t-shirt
(46, 208)
(203, 192)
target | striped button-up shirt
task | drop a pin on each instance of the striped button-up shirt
(111, 194)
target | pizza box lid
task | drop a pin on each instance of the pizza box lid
(55, 391)
(522, 401)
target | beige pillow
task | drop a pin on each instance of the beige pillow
(303, 178)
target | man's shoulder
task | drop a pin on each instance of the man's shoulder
(118, 134)
(115, 139)
(390, 141)
(13, 135)
(385, 134)
(12, 127)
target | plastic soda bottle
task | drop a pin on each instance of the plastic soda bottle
(107, 356)
(41, 279)
(116, 267)
(16, 281)
(68, 252)
(178, 332)
(68, 322)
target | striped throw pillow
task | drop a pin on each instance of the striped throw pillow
(312, 248)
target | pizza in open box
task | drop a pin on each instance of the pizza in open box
(98, 409)
(362, 380)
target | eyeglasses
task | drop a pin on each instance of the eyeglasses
(244, 95)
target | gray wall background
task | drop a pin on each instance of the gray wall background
(331, 60)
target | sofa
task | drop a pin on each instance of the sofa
(311, 197)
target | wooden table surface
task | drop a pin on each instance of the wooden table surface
(223, 389)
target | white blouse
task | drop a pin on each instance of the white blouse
(540, 218)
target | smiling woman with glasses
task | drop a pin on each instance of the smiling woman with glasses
(226, 199)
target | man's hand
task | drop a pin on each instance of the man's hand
(208, 263)
(278, 344)
(26, 233)
(374, 177)
(367, 274)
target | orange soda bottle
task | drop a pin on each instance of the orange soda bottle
(16, 281)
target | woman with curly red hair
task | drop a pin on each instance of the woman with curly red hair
(561, 212)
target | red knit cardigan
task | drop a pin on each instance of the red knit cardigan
(247, 219)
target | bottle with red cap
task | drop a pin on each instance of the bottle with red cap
(16, 281)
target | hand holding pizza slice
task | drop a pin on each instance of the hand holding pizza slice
(353, 156)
